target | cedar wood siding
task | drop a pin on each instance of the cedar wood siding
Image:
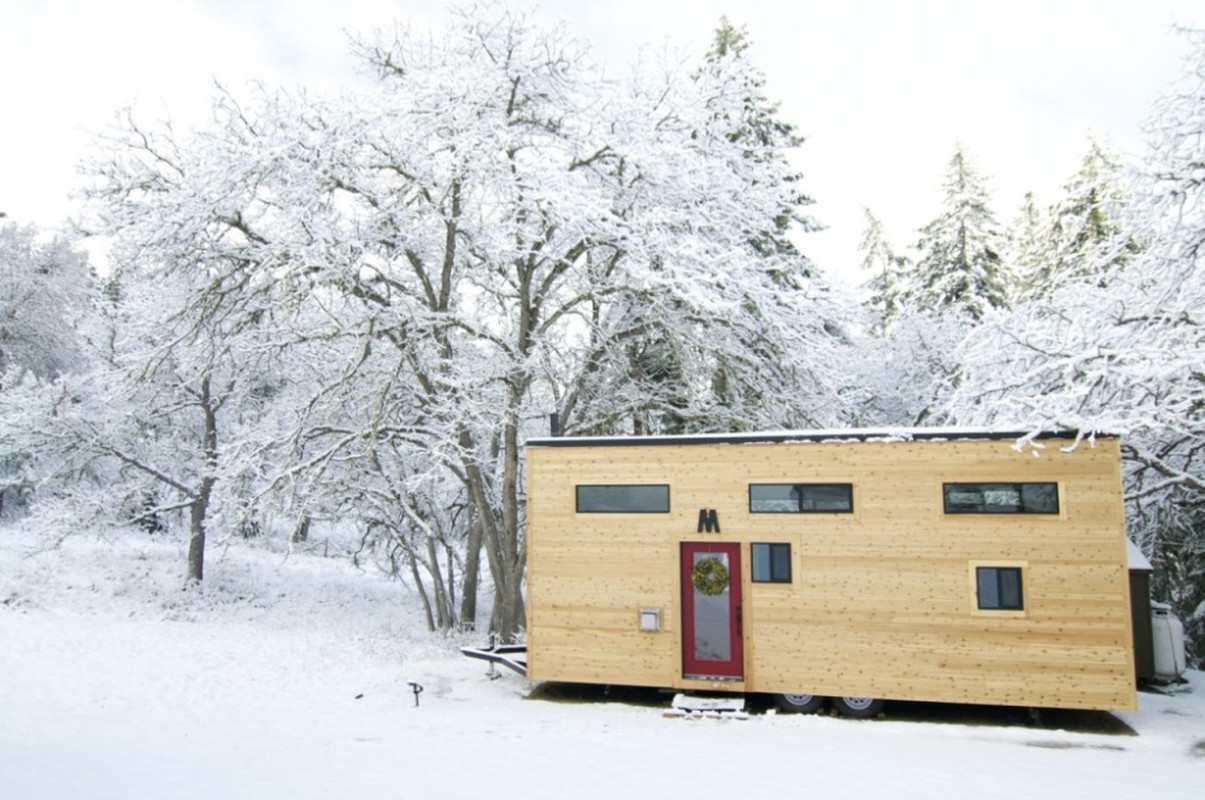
(882, 600)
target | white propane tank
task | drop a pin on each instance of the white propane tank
(1168, 634)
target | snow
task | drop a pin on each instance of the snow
(1135, 559)
(286, 675)
(827, 435)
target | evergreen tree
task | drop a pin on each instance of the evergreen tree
(1087, 237)
(727, 39)
(1027, 248)
(680, 400)
(887, 269)
(766, 136)
(959, 267)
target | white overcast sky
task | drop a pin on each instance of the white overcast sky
(881, 90)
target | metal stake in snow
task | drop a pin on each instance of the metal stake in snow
(418, 689)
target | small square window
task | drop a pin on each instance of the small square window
(771, 563)
(999, 588)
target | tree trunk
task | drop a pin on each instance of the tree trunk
(196, 540)
(499, 543)
(443, 607)
(471, 577)
(422, 592)
(510, 615)
(302, 532)
(199, 508)
(450, 581)
(505, 562)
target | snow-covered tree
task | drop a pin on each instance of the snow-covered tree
(1122, 353)
(903, 376)
(1027, 248)
(157, 424)
(45, 292)
(45, 288)
(958, 266)
(904, 367)
(661, 367)
(757, 122)
(888, 272)
(166, 416)
(476, 239)
(1085, 235)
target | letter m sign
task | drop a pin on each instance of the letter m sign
(708, 521)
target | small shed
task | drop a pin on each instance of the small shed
(1140, 609)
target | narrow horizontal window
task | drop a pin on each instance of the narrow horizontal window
(999, 588)
(771, 563)
(801, 498)
(632, 499)
(1001, 498)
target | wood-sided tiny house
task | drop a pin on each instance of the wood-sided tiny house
(939, 565)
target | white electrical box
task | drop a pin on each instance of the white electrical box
(650, 620)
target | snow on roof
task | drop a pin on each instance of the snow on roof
(1135, 559)
(824, 435)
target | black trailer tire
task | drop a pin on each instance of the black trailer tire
(858, 707)
(799, 703)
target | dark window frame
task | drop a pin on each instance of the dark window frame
(577, 498)
(801, 497)
(951, 508)
(999, 586)
(774, 577)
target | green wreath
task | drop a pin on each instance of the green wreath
(710, 576)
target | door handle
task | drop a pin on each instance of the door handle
(740, 622)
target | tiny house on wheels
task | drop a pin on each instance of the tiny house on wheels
(852, 566)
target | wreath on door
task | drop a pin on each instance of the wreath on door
(710, 576)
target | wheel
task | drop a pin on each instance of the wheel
(858, 707)
(799, 703)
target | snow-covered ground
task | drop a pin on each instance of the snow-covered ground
(287, 676)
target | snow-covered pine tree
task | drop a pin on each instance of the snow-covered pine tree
(1026, 252)
(671, 386)
(765, 137)
(759, 124)
(888, 271)
(959, 267)
(1086, 233)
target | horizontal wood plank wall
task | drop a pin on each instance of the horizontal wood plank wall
(882, 600)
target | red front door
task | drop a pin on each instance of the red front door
(711, 611)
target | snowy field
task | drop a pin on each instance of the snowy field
(286, 676)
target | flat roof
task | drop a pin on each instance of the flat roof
(832, 435)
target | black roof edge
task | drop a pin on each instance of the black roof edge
(779, 437)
